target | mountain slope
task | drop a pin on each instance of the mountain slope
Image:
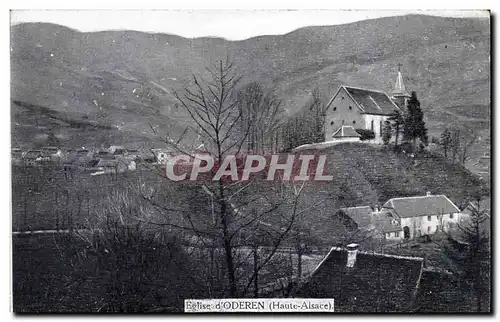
(104, 77)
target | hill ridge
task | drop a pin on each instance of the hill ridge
(446, 60)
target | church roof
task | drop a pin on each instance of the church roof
(345, 131)
(399, 87)
(371, 101)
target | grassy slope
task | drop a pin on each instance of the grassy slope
(446, 60)
(365, 174)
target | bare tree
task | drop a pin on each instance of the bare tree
(474, 260)
(467, 142)
(460, 143)
(215, 108)
(308, 125)
(132, 261)
(260, 114)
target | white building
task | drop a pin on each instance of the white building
(424, 215)
(364, 109)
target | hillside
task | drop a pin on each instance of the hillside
(91, 77)
(369, 175)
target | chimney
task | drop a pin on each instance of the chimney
(428, 193)
(375, 208)
(352, 251)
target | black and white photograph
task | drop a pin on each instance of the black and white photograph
(250, 161)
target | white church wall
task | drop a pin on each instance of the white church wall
(378, 120)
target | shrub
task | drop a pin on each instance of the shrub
(366, 134)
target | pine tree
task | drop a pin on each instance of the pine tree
(445, 141)
(52, 140)
(397, 121)
(414, 125)
(387, 132)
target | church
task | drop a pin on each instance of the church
(354, 108)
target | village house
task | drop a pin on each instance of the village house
(484, 161)
(117, 150)
(102, 153)
(30, 157)
(108, 166)
(365, 281)
(125, 164)
(424, 215)
(373, 221)
(161, 155)
(364, 109)
(16, 155)
(82, 152)
(39, 156)
(53, 151)
(133, 153)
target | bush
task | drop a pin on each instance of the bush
(366, 134)
(133, 269)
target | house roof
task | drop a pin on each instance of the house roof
(32, 154)
(46, 154)
(367, 219)
(124, 160)
(51, 148)
(376, 282)
(345, 131)
(114, 149)
(371, 101)
(422, 206)
(107, 163)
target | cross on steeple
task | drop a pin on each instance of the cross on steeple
(399, 87)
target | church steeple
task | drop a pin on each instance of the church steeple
(400, 95)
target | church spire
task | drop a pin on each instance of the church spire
(400, 95)
(399, 87)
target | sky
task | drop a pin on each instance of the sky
(229, 24)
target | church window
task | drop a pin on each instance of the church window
(396, 234)
(353, 122)
(350, 107)
(335, 108)
(429, 229)
(451, 216)
(429, 218)
(380, 126)
(343, 121)
(342, 97)
(331, 123)
(372, 125)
